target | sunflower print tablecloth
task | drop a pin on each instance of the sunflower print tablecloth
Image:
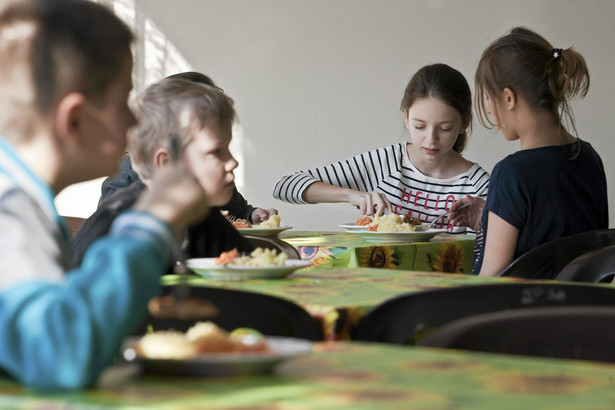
(444, 253)
(353, 376)
(339, 298)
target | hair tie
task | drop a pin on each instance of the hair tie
(557, 52)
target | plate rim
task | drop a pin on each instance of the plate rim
(293, 262)
(225, 362)
(279, 228)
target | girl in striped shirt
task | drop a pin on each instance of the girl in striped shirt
(422, 178)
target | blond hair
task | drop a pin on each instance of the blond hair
(174, 107)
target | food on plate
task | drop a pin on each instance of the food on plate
(258, 257)
(390, 223)
(410, 220)
(241, 223)
(166, 345)
(272, 222)
(363, 221)
(202, 338)
(226, 257)
(249, 340)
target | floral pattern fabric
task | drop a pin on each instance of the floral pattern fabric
(444, 253)
(354, 376)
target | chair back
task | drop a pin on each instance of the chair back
(545, 261)
(595, 266)
(570, 332)
(408, 318)
(274, 243)
(269, 315)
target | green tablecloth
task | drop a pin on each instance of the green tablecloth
(339, 298)
(355, 376)
(444, 253)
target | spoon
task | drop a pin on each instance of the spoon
(430, 225)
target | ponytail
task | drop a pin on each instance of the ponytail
(546, 77)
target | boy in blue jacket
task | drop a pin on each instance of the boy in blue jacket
(65, 76)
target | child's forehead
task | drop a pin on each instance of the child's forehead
(211, 134)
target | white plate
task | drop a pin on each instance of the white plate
(263, 231)
(353, 227)
(400, 237)
(208, 269)
(223, 364)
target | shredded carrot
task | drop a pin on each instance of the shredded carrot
(226, 257)
(363, 221)
(373, 228)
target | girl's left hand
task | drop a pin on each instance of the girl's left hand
(260, 215)
(469, 216)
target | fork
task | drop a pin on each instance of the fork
(431, 224)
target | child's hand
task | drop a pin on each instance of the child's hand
(370, 203)
(174, 196)
(260, 215)
(469, 216)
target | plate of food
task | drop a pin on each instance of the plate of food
(361, 224)
(351, 227)
(258, 231)
(206, 350)
(260, 264)
(400, 237)
(271, 227)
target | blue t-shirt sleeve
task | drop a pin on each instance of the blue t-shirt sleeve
(61, 335)
(507, 197)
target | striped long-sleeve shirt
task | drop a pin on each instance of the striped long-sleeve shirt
(389, 171)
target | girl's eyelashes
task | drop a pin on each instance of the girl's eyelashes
(422, 127)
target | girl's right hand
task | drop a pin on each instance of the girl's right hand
(369, 203)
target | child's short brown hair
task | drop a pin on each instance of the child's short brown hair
(174, 106)
(49, 48)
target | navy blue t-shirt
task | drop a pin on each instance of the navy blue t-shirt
(547, 193)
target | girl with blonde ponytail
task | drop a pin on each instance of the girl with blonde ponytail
(555, 185)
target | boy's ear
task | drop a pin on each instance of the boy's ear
(162, 157)
(68, 116)
(510, 98)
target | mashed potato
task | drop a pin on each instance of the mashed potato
(203, 337)
(391, 223)
(261, 257)
(272, 222)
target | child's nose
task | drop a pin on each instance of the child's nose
(232, 163)
(432, 134)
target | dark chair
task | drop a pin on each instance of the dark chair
(407, 318)
(545, 261)
(270, 315)
(570, 332)
(274, 243)
(595, 266)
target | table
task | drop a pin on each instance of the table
(444, 253)
(339, 298)
(357, 376)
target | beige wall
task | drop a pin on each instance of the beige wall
(321, 80)
(316, 81)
